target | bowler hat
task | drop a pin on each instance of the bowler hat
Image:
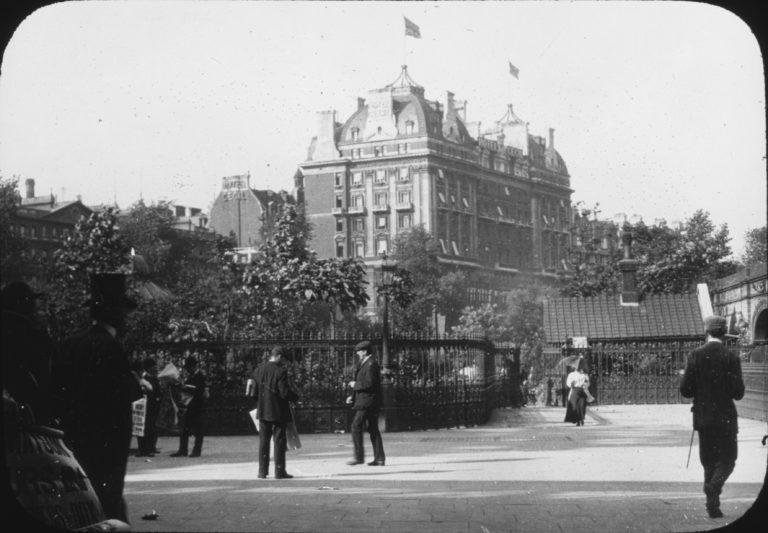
(365, 345)
(716, 325)
(108, 291)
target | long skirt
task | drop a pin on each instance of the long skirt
(577, 406)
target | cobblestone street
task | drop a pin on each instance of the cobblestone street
(524, 471)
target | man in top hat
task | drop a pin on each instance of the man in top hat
(194, 414)
(97, 387)
(712, 377)
(274, 392)
(148, 442)
(27, 350)
(366, 401)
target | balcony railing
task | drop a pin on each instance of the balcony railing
(337, 210)
(404, 206)
(356, 210)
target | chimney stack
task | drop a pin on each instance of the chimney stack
(360, 102)
(30, 183)
(551, 144)
(628, 267)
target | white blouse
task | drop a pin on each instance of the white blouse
(577, 379)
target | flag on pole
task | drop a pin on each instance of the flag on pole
(411, 29)
(513, 69)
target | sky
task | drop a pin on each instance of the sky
(658, 107)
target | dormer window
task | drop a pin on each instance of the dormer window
(354, 134)
(409, 127)
(378, 130)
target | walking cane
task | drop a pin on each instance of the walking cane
(689, 449)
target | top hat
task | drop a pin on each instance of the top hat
(108, 291)
(365, 345)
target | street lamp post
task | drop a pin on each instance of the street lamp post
(385, 283)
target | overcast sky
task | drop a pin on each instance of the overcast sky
(658, 107)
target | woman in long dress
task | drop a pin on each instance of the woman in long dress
(578, 383)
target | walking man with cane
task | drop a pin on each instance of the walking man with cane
(712, 377)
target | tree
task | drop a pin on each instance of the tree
(11, 245)
(285, 279)
(671, 260)
(755, 246)
(94, 246)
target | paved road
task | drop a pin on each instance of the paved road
(525, 471)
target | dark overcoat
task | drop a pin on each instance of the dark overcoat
(273, 392)
(713, 379)
(367, 390)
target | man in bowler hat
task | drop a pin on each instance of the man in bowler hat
(366, 401)
(712, 377)
(97, 387)
(274, 392)
(192, 421)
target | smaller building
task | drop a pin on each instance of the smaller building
(742, 298)
(187, 218)
(244, 212)
(44, 222)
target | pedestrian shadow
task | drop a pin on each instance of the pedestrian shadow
(497, 460)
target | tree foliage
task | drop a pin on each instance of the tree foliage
(671, 259)
(285, 279)
(11, 245)
(755, 246)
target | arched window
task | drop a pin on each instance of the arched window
(409, 127)
(354, 134)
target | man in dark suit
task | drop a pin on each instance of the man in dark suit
(96, 387)
(712, 377)
(192, 423)
(274, 392)
(366, 401)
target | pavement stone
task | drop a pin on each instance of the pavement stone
(526, 470)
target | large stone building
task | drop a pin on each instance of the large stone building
(498, 201)
(242, 211)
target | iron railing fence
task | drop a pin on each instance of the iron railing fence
(435, 381)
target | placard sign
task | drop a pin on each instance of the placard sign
(139, 416)
(48, 481)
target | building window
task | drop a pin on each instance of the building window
(465, 202)
(409, 127)
(404, 220)
(339, 224)
(359, 249)
(404, 197)
(357, 178)
(378, 130)
(381, 246)
(604, 244)
(338, 179)
(441, 196)
(358, 200)
(381, 176)
(381, 222)
(339, 249)
(403, 174)
(381, 199)
(358, 224)
(377, 151)
(442, 246)
(339, 200)
(354, 134)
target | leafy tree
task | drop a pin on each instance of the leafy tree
(148, 229)
(285, 279)
(671, 260)
(11, 245)
(755, 248)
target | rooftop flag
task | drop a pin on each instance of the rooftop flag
(411, 29)
(513, 69)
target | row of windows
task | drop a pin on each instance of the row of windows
(354, 133)
(381, 199)
(357, 224)
(380, 150)
(40, 231)
(379, 176)
(358, 247)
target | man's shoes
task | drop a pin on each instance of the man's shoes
(194, 454)
(283, 475)
(262, 476)
(355, 462)
(715, 512)
(376, 463)
(179, 454)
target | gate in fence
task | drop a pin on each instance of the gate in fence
(435, 382)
